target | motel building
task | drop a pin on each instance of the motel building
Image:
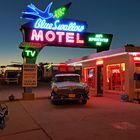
(112, 72)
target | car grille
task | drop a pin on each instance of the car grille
(71, 90)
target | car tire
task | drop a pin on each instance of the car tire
(55, 102)
(84, 101)
(2, 124)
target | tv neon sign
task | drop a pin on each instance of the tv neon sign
(57, 25)
(30, 52)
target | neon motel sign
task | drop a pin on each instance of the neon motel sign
(66, 38)
(57, 37)
(55, 32)
(51, 29)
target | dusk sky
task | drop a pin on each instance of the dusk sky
(118, 17)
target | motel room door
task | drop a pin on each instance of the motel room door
(100, 80)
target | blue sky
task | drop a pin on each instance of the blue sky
(118, 17)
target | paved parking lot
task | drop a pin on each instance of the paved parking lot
(102, 118)
(43, 90)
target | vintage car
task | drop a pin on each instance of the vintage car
(68, 87)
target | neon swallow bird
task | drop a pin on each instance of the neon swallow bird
(32, 12)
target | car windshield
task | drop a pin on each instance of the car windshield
(12, 74)
(67, 78)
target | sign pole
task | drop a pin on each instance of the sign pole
(29, 78)
(27, 94)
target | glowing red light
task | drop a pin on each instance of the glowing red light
(136, 58)
(99, 62)
(62, 64)
(115, 71)
(90, 75)
(85, 74)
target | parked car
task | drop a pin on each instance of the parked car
(68, 87)
(12, 76)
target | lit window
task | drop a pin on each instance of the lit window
(116, 77)
(89, 76)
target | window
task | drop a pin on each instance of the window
(89, 76)
(116, 77)
(67, 78)
(137, 73)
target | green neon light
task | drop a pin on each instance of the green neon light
(30, 53)
(98, 39)
(48, 66)
(60, 12)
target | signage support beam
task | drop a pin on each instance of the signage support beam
(28, 90)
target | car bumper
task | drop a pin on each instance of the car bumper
(57, 97)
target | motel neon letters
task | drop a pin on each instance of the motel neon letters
(49, 36)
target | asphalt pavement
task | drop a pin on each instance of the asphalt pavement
(102, 118)
(6, 90)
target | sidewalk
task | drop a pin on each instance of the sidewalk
(42, 91)
(20, 125)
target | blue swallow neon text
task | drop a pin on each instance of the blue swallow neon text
(57, 25)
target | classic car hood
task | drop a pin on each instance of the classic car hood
(69, 84)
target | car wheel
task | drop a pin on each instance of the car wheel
(2, 124)
(55, 102)
(52, 99)
(84, 101)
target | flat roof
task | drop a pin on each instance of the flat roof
(113, 52)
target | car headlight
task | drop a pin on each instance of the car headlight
(86, 89)
(56, 89)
